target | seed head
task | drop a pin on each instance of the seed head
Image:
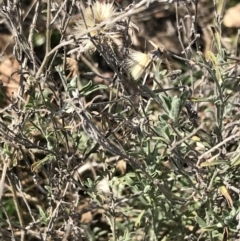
(138, 63)
(92, 16)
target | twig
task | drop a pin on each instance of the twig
(217, 146)
(187, 137)
(136, 9)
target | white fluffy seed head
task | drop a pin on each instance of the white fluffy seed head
(96, 14)
(137, 63)
(101, 12)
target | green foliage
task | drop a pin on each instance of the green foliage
(100, 156)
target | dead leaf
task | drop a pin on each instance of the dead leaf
(72, 67)
(6, 44)
(121, 166)
(231, 18)
(86, 217)
(9, 76)
(226, 194)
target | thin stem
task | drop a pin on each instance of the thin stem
(18, 208)
(48, 27)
